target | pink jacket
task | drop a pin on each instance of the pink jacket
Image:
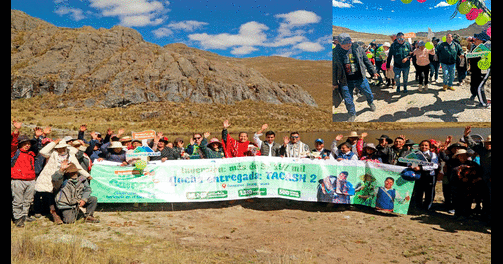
(422, 56)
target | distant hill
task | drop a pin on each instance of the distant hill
(380, 38)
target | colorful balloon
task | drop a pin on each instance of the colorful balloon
(140, 164)
(421, 1)
(488, 31)
(383, 66)
(406, 1)
(452, 2)
(429, 45)
(484, 64)
(482, 19)
(473, 14)
(465, 7)
(369, 55)
(444, 39)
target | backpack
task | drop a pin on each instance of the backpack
(14, 158)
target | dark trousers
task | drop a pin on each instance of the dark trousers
(42, 202)
(424, 186)
(477, 85)
(423, 70)
(434, 66)
(70, 215)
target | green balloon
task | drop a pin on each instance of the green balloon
(406, 1)
(429, 45)
(444, 39)
(465, 7)
(484, 64)
(482, 19)
(452, 2)
(369, 55)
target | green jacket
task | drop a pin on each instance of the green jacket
(448, 54)
(210, 153)
(399, 52)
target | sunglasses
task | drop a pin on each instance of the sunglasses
(294, 136)
(197, 138)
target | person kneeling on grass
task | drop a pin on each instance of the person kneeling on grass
(74, 194)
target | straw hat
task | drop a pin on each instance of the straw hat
(460, 152)
(115, 144)
(353, 134)
(214, 140)
(61, 144)
(126, 139)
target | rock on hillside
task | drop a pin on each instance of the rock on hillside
(116, 67)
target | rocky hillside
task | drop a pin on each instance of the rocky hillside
(116, 67)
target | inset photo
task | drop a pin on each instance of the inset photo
(411, 61)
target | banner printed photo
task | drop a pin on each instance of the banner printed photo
(348, 182)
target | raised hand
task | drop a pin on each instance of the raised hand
(226, 124)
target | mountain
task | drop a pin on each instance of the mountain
(380, 38)
(116, 67)
(464, 32)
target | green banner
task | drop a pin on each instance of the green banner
(348, 182)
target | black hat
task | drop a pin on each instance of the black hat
(409, 142)
(389, 140)
(23, 138)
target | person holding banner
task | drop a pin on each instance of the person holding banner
(478, 79)
(293, 147)
(426, 184)
(401, 52)
(448, 53)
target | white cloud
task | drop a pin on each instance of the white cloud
(243, 50)
(250, 34)
(309, 46)
(133, 13)
(75, 13)
(188, 25)
(162, 32)
(442, 4)
(340, 4)
(296, 19)
(357, 2)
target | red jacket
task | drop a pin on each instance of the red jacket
(234, 148)
(24, 169)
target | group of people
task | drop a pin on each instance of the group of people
(51, 176)
(350, 61)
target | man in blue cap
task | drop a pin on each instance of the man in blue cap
(478, 79)
(349, 64)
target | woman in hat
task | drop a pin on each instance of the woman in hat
(56, 153)
(369, 153)
(389, 74)
(467, 182)
(212, 149)
(113, 151)
(344, 152)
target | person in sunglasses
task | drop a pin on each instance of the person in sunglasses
(294, 148)
(401, 52)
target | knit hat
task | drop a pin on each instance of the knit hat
(344, 38)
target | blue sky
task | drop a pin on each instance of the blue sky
(298, 28)
(392, 16)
